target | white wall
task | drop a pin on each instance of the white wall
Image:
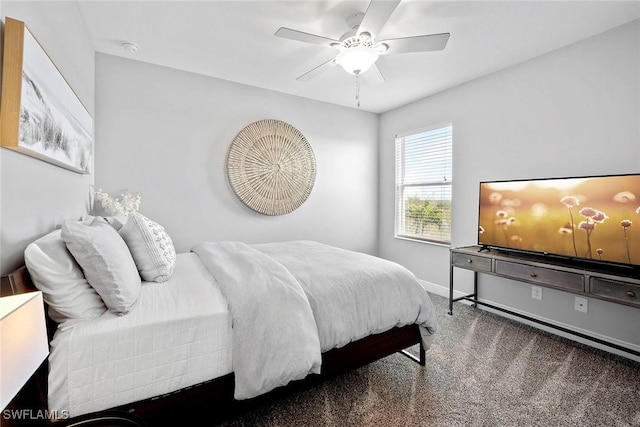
(166, 133)
(574, 111)
(37, 196)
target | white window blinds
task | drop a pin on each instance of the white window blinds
(423, 184)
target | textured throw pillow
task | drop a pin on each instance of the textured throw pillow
(105, 260)
(54, 271)
(151, 247)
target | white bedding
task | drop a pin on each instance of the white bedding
(353, 294)
(275, 337)
(178, 335)
(274, 288)
(180, 332)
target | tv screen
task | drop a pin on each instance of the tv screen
(584, 218)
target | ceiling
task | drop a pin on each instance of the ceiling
(234, 40)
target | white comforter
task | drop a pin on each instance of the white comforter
(289, 301)
(354, 295)
(275, 339)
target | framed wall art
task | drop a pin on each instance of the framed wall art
(40, 114)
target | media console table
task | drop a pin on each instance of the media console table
(599, 284)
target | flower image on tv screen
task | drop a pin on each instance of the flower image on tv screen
(592, 218)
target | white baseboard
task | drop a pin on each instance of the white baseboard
(444, 292)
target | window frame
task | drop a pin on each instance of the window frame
(399, 186)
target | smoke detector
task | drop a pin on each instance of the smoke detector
(130, 47)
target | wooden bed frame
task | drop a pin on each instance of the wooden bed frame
(213, 400)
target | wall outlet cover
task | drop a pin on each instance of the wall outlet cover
(581, 304)
(536, 292)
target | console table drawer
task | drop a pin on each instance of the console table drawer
(625, 293)
(472, 262)
(545, 276)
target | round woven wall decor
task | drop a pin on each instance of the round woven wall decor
(271, 167)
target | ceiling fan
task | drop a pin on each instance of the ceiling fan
(359, 49)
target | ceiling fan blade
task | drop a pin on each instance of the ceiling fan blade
(377, 15)
(288, 33)
(318, 70)
(425, 43)
(373, 76)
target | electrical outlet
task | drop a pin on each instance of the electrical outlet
(581, 304)
(536, 292)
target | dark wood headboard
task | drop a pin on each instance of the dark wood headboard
(17, 282)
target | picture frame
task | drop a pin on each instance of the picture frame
(40, 114)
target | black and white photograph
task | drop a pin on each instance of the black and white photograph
(54, 124)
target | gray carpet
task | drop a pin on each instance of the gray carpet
(483, 370)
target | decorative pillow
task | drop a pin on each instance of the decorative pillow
(151, 247)
(54, 271)
(105, 260)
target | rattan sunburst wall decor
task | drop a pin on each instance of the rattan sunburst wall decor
(271, 167)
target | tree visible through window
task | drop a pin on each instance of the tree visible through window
(423, 184)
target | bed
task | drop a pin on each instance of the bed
(226, 323)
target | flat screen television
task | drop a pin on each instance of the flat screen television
(588, 220)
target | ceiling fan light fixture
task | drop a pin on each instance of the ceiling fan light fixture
(357, 59)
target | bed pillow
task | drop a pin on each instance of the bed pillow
(105, 260)
(114, 221)
(151, 247)
(54, 271)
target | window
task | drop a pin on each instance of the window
(423, 184)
